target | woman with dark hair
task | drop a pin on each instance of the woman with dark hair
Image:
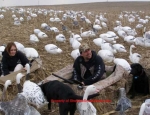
(12, 60)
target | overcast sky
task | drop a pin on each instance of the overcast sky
(51, 2)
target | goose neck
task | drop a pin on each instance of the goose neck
(85, 95)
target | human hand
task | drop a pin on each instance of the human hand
(83, 83)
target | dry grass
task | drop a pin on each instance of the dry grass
(52, 63)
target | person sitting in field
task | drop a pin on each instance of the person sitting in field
(12, 59)
(88, 68)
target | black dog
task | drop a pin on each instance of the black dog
(56, 90)
(140, 81)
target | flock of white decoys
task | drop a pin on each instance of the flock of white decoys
(107, 43)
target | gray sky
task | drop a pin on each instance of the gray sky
(51, 2)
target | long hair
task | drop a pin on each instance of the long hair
(9, 45)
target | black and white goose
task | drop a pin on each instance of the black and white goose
(18, 106)
(31, 91)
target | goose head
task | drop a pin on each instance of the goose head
(91, 89)
(18, 77)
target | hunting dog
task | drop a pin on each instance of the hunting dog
(56, 90)
(140, 81)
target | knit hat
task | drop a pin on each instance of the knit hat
(83, 47)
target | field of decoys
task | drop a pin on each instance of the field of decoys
(118, 32)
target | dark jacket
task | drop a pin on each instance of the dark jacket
(9, 63)
(88, 72)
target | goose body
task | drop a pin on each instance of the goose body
(60, 38)
(98, 41)
(129, 39)
(53, 49)
(86, 107)
(106, 55)
(123, 63)
(119, 48)
(42, 35)
(17, 106)
(30, 52)
(108, 46)
(31, 90)
(145, 108)
(134, 57)
(33, 38)
(75, 53)
(2, 48)
(19, 46)
(36, 31)
(107, 37)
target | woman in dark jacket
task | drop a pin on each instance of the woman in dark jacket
(12, 59)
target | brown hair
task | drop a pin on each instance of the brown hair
(9, 45)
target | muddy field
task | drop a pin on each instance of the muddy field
(52, 63)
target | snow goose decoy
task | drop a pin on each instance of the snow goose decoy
(30, 52)
(86, 107)
(119, 48)
(42, 35)
(124, 103)
(19, 46)
(52, 49)
(106, 55)
(33, 38)
(134, 57)
(123, 63)
(145, 108)
(75, 53)
(60, 38)
(18, 106)
(31, 91)
(99, 41)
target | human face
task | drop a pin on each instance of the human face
(87, 54)
(12, 51)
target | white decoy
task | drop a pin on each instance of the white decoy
(30, 53)
(123, 63)
(99, 41)
(17, 23)
(113, 34)
(21, 19)
(75, 43)
(134, 57)
(107, 37)
(145, 108)
(54, 29)
(97, 27)
(31, 90)
(43, 25)
(19, 46)
(77, 37)
(33, 38)
(60, 38)
(36, 31)
(104, 24)
(1, 16)
(123, 103)
(53, 49)
(2, 48)
(106, 55)
(122, 33)
(119, 47)
(20, 105)
(108, 46)
(42, 35)
(75, 53)
(86, 107)
(129, 39)
(139, 41)
(84, 34)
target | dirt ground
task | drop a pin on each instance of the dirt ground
(52, 63)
